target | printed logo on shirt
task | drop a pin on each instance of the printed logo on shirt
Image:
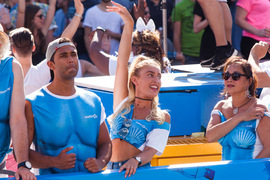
(3, 92)
(91, 116)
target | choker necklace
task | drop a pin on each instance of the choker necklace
(235, 109)
(143, 99)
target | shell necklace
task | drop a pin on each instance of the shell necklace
(235, 109)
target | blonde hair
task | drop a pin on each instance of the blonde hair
(156, 113)
(5, 48)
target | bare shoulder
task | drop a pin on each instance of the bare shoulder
(16, 66)
(220, 104)
(167, 117)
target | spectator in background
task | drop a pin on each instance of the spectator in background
(254, 18)
(155, 7)
(79, 35)
(61, 17)
(186, 42)
(219, 17)
(110, 21)
(5, 18)
(208, 42)
(39, 26)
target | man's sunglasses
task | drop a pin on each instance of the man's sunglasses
(235, 76)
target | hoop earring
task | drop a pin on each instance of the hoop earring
(247, 94)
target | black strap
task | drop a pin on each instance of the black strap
(8, 172)
(3, 171)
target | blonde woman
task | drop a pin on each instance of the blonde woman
(139, 128)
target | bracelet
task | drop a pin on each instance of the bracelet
(78, 15)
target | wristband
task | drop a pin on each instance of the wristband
(78, 15)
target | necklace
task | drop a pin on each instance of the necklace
(235, 109)
(143, 99)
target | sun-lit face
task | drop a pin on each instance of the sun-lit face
(236, 86)
(39, 19)
(148, 82)
(66, 62)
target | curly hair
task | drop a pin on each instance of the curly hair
(156, 113)
(148, 44)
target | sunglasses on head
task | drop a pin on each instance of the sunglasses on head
(40, 16)
(235, 76)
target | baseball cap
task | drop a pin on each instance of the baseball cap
(55, 45)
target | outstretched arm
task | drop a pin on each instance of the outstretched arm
(100, 59)
(121, 77)
(71, 29)
(49, 17)
(257, 52)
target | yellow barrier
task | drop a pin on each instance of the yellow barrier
(180, 150)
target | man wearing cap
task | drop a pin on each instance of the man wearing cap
(12, 117)
(66, 123)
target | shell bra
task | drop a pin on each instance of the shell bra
(242, 142)
(140, 132)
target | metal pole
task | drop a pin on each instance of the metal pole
(164, 24)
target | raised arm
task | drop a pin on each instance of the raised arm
(17, 122)
(121, 77)
(49, 17)
(71, 29)
(99, 58)
(257, 52)
(21, 14)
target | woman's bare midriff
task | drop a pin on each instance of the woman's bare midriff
(122, 150)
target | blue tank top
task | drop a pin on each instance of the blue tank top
(64, 121)
(140, 132)
(239, 143)
(6, 86)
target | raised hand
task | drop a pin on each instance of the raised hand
(79, 7)
(65, 160)
(259, 50)
(139, 10)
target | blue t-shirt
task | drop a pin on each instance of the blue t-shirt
(64, 121)
(6, 87)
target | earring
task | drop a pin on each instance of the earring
(226, 95)
(247, 93)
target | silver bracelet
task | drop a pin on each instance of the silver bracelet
(80, 16)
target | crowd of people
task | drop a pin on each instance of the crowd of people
(42, 51)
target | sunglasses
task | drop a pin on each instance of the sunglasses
(146, 12)
(40, 16)
(235, 76)
(123, 132)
